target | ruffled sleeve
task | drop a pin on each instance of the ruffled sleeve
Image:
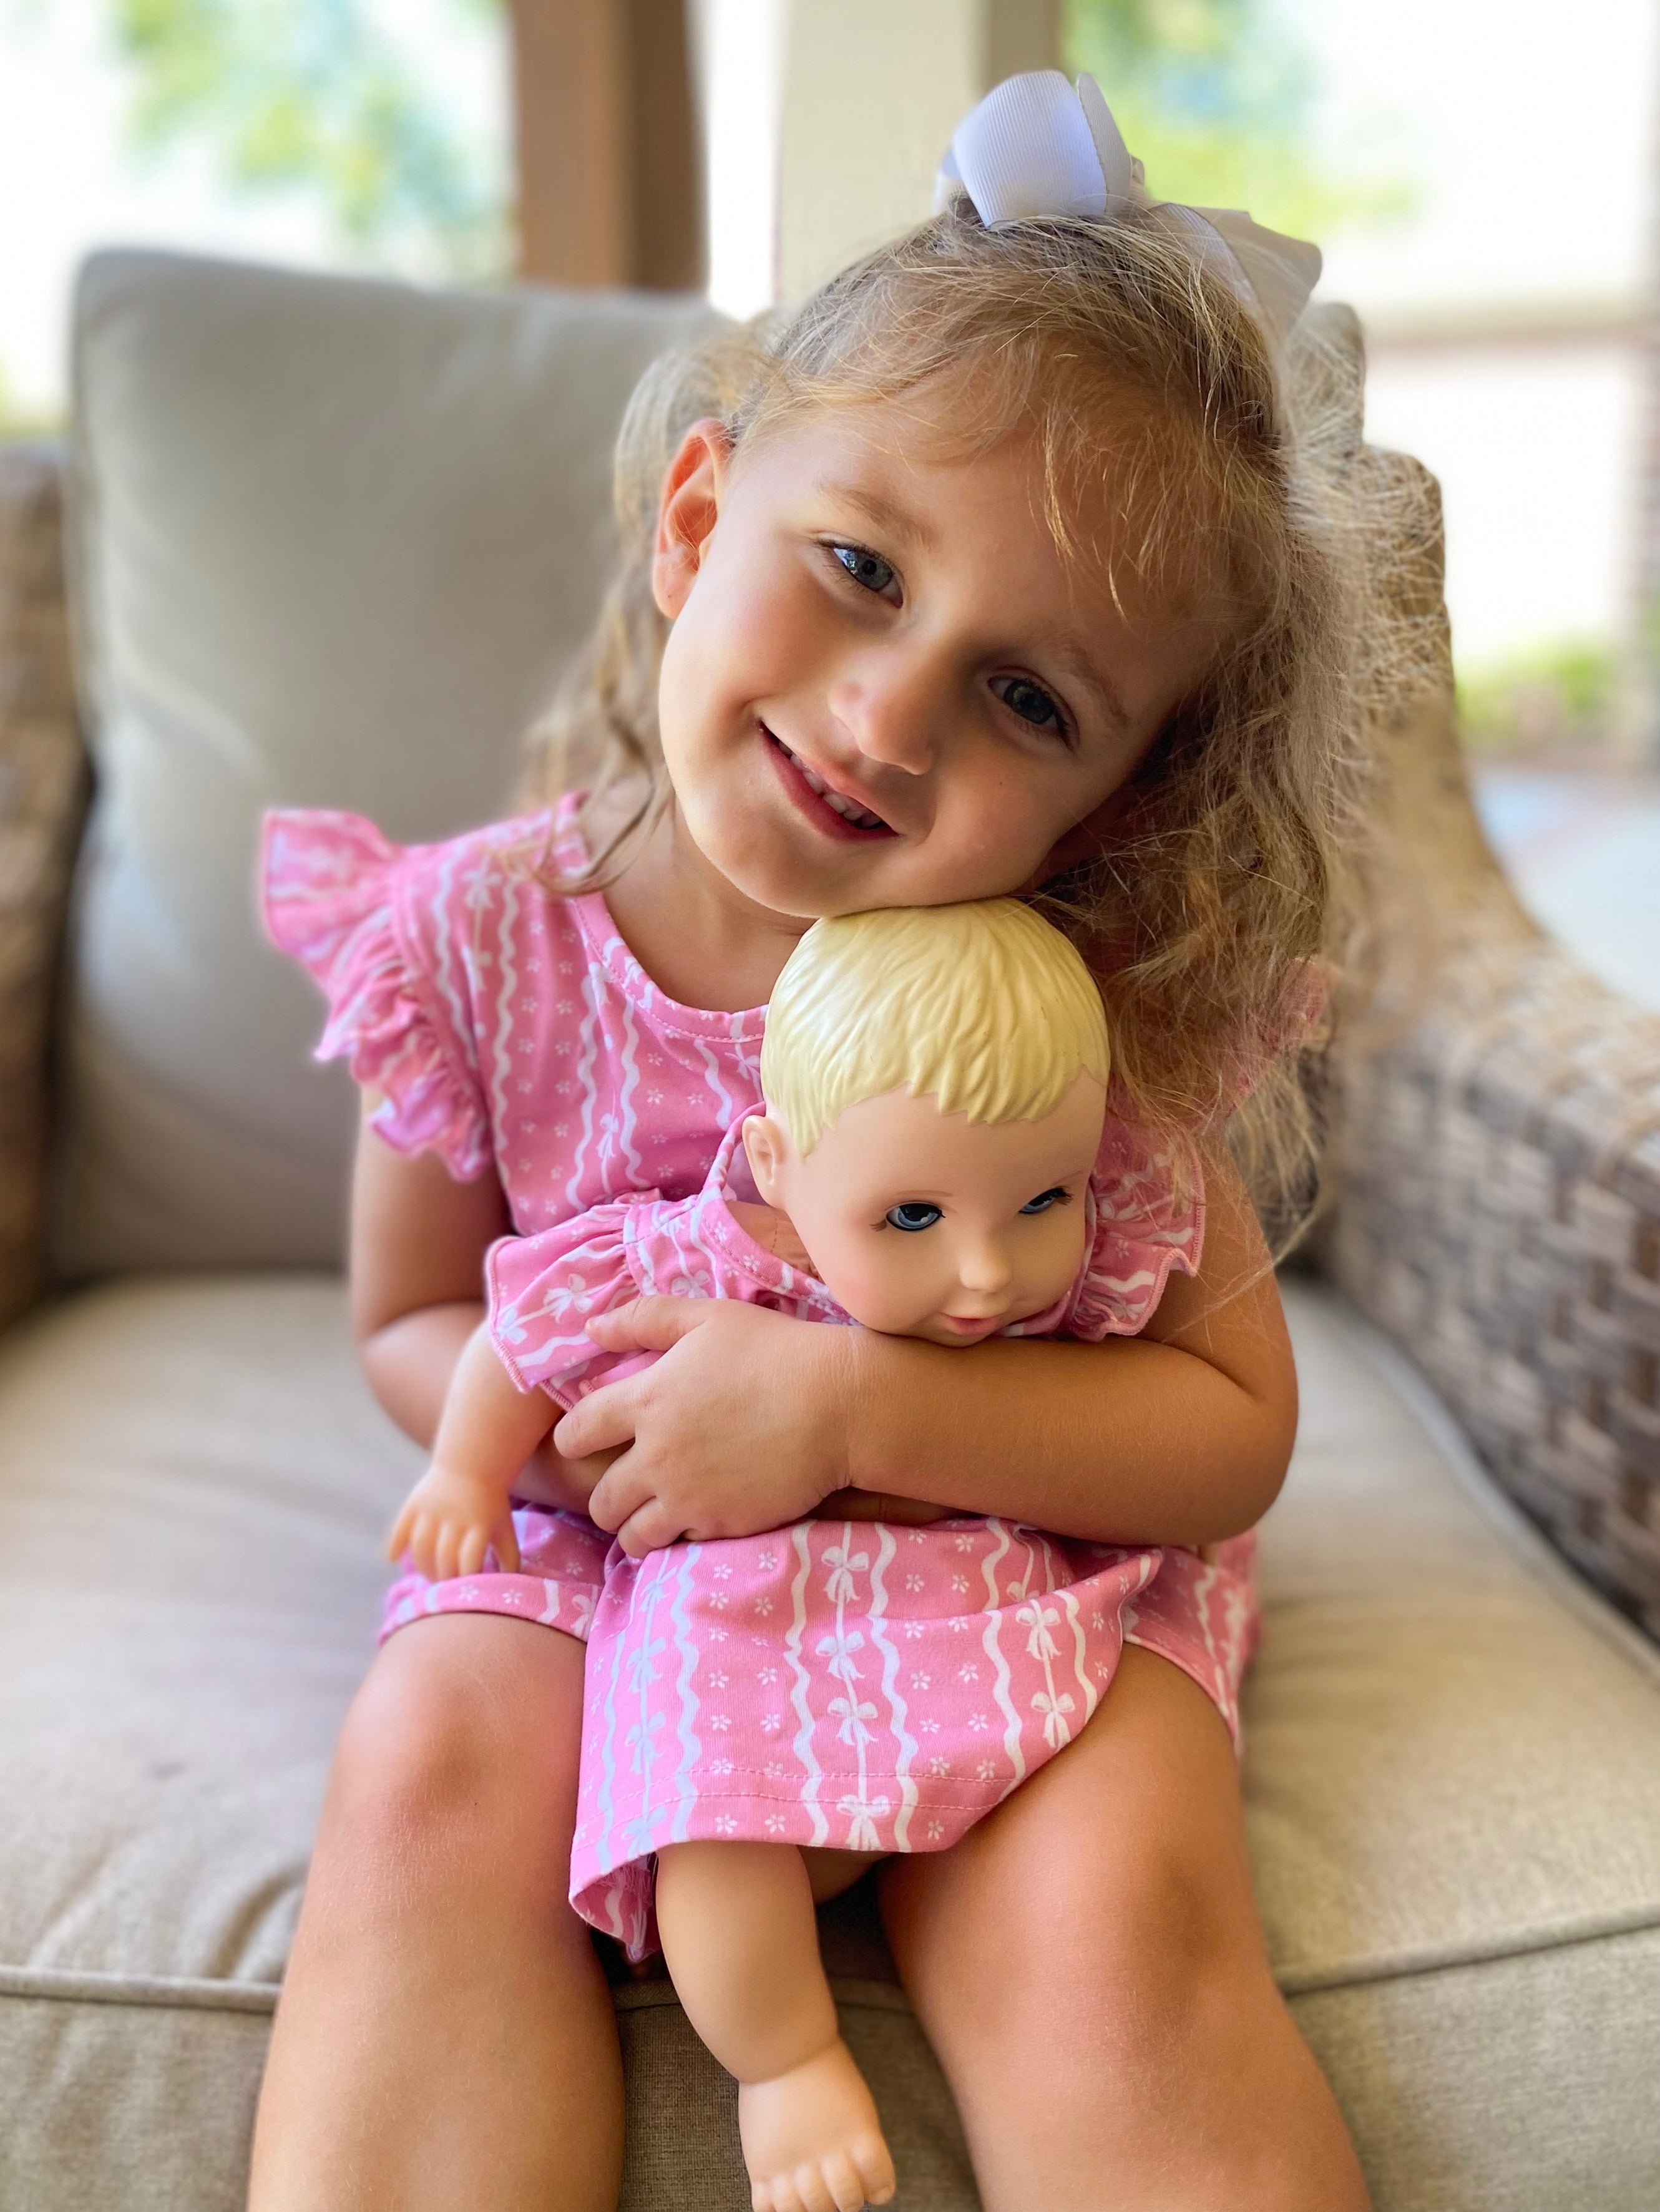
(1148, 1216)
(543, 1290)
(331, 889)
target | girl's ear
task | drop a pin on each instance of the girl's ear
(690, 505)
(766, 1147)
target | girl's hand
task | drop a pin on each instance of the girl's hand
(740, 1426)
(449, 1521)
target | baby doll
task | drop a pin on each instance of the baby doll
(924, 1165)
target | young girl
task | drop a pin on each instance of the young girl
(929, 1164)
(1001, 566)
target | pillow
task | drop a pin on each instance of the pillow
(334, 539)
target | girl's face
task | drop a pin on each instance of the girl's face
(885, 684)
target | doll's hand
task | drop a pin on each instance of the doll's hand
(448, 1522)
(740, 1426)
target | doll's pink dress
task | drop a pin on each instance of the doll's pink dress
(508, 1027)
(856, 1683)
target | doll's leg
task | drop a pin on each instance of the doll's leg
(1089, 1966)
(742, 1944)
(444, 2036)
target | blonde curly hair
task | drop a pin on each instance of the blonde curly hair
(1136, 369)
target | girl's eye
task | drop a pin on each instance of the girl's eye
(1031, 704)
(913, 1214)
(867, 568)
(1045, 1199)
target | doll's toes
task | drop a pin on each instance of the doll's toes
(845, 2182)
(874, 2162)
(812, 2187)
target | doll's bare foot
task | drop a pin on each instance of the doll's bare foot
(812, 2140)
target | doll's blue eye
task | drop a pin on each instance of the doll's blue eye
(913, 1214)
(1044, 1199)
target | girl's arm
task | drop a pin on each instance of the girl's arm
(418, 1241)
(1179, 1436)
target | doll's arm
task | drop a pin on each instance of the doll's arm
(460, 1507)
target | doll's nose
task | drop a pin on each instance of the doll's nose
(983, 1269)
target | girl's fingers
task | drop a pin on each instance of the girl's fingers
(653, 1528)
(622, 1489)
(603, 1422)
(648, 1324)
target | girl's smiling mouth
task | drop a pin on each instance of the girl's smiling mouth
(830, 810)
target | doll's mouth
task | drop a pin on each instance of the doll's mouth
(959, 1325)
(813, 793)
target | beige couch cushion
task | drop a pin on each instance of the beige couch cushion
(1453, 1774)
(334, 539)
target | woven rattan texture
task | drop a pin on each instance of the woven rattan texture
(1497, 1168)
(43, 781)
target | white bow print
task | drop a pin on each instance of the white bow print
(1037, 147)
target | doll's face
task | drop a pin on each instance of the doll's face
(924, 1224)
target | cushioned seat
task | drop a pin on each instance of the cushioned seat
(1453, 1776)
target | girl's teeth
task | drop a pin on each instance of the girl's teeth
(848, 811)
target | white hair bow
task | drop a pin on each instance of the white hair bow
(1037, 147)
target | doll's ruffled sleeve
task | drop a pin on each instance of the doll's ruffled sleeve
(543, 1290)
(342, 900)
(1147, 1207)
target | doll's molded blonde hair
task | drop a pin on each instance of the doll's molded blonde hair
(982, 1006)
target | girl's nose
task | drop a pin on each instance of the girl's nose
(893, 715)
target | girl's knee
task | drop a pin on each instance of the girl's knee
(446, 1754)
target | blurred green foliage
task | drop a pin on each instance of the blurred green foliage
(325, 100)
(1553, 699)
(18, 420)
(1218, 97)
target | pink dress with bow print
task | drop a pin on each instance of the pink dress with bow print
(507, 1027)
(871, 1686)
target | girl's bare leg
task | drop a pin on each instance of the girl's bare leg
(444, 2036)
(1089, 1966)
(738, 1933)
